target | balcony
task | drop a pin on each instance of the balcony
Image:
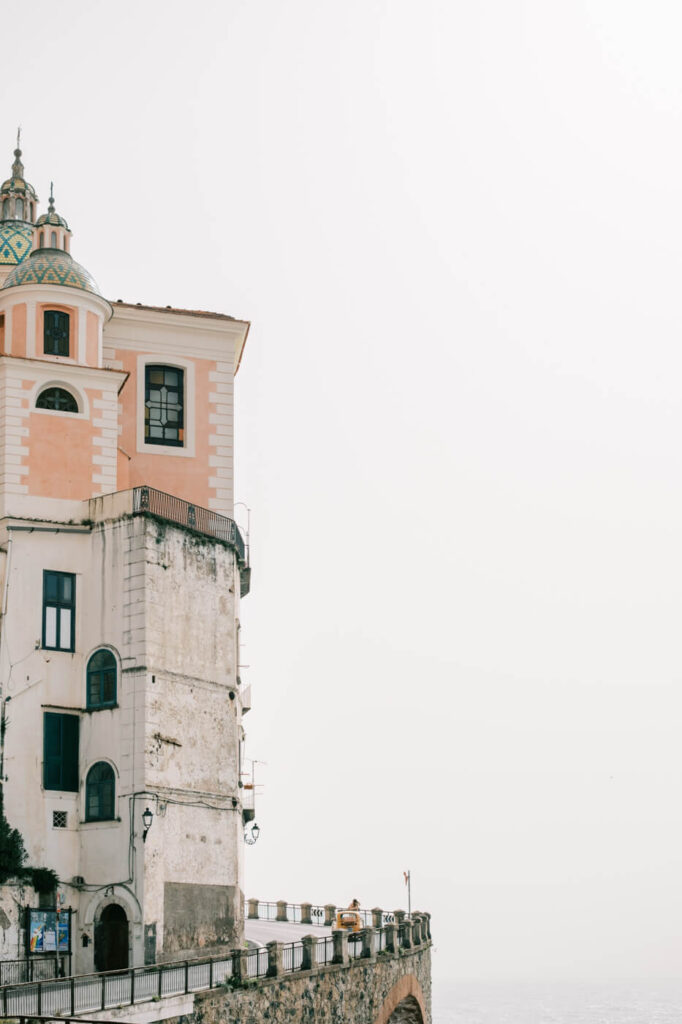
(148, 501)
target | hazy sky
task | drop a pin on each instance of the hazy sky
(457, 230)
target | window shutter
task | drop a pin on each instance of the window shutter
(52, 762)
(70, 753)
(60, 752)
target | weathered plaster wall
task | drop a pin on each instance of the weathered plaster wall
(13, 898)
(364, 992)
(165, 602)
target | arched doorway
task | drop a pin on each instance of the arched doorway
(111, 939)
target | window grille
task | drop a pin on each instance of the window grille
(57, 399)
(59, 819)
(164, 405)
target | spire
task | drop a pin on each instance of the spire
(50, 206)
(17, 166)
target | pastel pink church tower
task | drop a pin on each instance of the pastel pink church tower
(122, 571)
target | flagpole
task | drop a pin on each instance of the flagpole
(409, 893)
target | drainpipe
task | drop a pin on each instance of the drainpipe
(3, 699)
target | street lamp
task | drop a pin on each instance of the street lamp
(147, 818)
(251, 835)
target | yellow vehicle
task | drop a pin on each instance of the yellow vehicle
(349, 920)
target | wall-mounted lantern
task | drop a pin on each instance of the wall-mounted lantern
(147, 818)
(251, 834)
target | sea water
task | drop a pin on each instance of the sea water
(645, 1002)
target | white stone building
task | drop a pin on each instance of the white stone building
(121, 573)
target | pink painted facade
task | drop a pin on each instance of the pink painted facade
(70, 456)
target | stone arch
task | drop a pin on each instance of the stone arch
(404, 1003)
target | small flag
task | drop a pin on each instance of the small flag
(406, 876)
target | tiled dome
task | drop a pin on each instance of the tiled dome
(20, 186)
(52, 218)
(51, 266)
(15, 241)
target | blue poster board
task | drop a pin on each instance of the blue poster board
(48, 931)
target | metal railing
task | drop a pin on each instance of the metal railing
(318, 916)
(91, 993)
(203, 520)
(15, 972)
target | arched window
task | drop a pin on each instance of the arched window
(56, 331)
(57, 399)
(19, 209)
(100, 788)
(5, 209)
(41, 240)
(53, 239)
(101, 677)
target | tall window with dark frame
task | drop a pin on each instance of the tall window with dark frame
(59, 611)
(100, 787)
(60, 752)
(164, 405)
(101, 675)
(56, 326)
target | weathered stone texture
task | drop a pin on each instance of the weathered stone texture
(392, 988)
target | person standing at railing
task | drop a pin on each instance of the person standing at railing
(354, 905)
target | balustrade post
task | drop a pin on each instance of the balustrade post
(132, 986)
(282, 910)
(253, 909)
(240, 964)
(406, 934)
(186, 976)
(367, 939)
(416, 930)
(399, 916)
(275, 965)
(427, 922)
(309, 961)
(306, 916)
(329, 914)
(392, 938)
(377, 917)
(160, 972)
(340, 938)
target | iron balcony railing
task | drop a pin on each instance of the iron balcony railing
(175, 510)
(147, 500)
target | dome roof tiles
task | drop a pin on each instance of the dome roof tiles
(15, 241)
(52, 218)
(51, 266)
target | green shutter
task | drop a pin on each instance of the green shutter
(60, 752)
(70, 753)
(52, 761)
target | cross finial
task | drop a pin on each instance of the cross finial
(51, 209)
(19, 137)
